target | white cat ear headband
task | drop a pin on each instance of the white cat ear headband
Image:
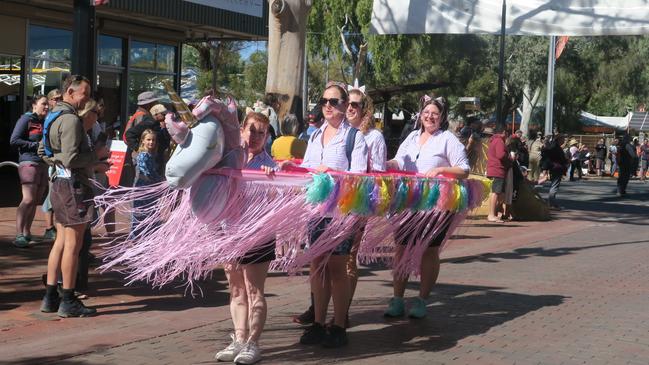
(356, 87)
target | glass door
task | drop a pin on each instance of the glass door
(109, 88)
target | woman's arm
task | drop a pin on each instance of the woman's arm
(19, 131)
(454, 172)
(392, 165)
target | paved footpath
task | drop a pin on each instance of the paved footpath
(570, 291)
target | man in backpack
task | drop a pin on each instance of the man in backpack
(67, 147)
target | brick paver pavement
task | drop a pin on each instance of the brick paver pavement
(573, 291)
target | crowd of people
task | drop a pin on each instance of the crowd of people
(340, 136)
(512, 159)
(63, 144)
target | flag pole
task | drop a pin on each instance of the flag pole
(500, 122)
(550, 89)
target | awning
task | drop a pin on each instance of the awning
(524, 17)
(596, 121)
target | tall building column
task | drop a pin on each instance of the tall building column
(84, 41)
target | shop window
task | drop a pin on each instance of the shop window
(166, 58)
(146, 81)
(50, 44)
(49, 58)
(110, 51)
(142, 55)
(10, 103)
(150, 64)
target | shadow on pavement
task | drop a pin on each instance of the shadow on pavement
(458, 311)
(172, 297)
(527, 252)
(47, 360)
(64, 359)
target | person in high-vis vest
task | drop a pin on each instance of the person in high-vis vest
(145, 101)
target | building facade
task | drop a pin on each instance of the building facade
(125, 47)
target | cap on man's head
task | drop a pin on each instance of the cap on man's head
(157, 109)
(147, 97)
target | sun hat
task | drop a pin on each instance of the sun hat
(572, 142)
(147, 97)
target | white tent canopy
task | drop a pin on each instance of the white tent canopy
(524, 17)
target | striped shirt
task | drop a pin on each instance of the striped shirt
(259, 160)
(377, 151)
(442, 149)
(334, 155)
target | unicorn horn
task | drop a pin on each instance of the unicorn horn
(183, 110)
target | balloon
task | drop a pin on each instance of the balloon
(201, 150)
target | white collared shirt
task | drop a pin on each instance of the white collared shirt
(333, 155)
(442, 149)
(377, 150)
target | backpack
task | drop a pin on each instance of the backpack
(349, 143)
(49, 119)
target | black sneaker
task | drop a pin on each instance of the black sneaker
(305, 318)
(313, 335)
(75, 308)
(50, 304)
(335, 337)
(331, 322)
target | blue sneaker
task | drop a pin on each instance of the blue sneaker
(21, 241)
(396, 308)
(418, 309)
(50, 234)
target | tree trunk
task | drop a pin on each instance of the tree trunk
(529, 102)
(286, 35)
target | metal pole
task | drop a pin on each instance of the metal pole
(550, 91)
(305, 83)
(500, 122)
(84, 41)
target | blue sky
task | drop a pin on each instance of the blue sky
(252, 47)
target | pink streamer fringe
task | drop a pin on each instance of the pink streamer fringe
(174, 243)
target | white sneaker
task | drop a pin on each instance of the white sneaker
(230, 352)
(250, 354)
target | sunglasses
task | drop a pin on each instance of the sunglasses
(356, 104)
(333, 101)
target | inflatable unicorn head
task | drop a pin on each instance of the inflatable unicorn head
(206, 137)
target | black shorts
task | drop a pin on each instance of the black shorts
(497, 185)
(344, 248)
(404, 238)
(263, 254)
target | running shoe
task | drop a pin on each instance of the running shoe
(396, 308)
(418, 308)
(230, 353)
(249, 354)
(335, 337)
(313, 335)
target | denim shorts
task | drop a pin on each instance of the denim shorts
(344, 248)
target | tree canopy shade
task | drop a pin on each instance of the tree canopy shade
(524, 17)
